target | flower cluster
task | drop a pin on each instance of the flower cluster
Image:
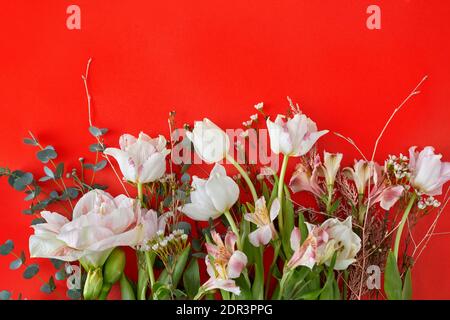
(251, 228)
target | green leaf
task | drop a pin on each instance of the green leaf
(48, 287)
(61, 274)
(180, 266)
(30, 141)
(31, 271)
(57, 264)
(47, 154)
(14, 265)
(97, 132)
(38, 221)
(49, 172)
(59, 170)
(74, 294)
(392, 280)
(183, 225)
(302, 227)
(191, 278)
(96, 147)
(33, 194)
(5, 295)
(407, 286)
(19, 180)
(99, 165)
(70, 192)
(6, 248)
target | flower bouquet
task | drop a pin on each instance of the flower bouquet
(242, 221)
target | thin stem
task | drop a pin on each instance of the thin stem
(280, 191)
(245, 176)
(402, 225)
(141, 194)
(234, 228)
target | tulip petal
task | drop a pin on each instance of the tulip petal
(222, 191)
(198, 213)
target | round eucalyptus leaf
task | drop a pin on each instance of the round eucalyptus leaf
(74, 294)
(14, 265)
(31, 271)
(7, 247)
(5, 295)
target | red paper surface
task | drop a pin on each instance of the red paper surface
(216, 59)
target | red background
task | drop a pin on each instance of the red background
(217, 59)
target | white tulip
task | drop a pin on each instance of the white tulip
(428, 172)
(211, 198)
(210, 142)
(100, 223)
(295, 137)
(141, 159)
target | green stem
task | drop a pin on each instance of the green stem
(140, 194)
(245, 176)
(329, 198)
(258, 284)
(280, 191)
(234, 228)
(398, 236)
(149, 259)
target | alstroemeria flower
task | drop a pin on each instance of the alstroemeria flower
(305, 180)
(141, 159)
(265, 230)
(224, 263)
(210, 142)
(387, 196)
(330, 168)
(100, 223)
(307, 253)
(361, 172)
(211, 198)
(295, 137)
(322, 242)
(428, 172)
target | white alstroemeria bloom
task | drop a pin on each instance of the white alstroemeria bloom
(226, 264)
(265, 230)
(295, 137)
(100, 223)
(428, 172)
(141, 159)
(210, 142)
(346, 242)
(211, 198)
(361, 172)
(330, 168)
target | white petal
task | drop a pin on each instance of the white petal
(236, 264)
(223, 192)
(198, 213)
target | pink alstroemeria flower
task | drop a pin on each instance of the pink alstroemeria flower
(305, 180)
(265, 229)
(428, 172)
(224, 263)
(306, 254)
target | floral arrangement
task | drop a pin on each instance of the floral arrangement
(246, 230)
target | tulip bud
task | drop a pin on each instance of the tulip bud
(114, 266)
(93, 285)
